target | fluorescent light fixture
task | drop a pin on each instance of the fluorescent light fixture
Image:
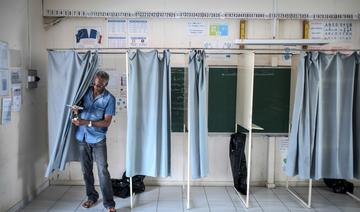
(287, 42)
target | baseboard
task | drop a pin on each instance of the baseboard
(156, 182)
(22, 203)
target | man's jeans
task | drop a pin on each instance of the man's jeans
(88, 154)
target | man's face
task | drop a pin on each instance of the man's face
(99, 84)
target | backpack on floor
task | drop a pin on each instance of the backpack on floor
(339, 185)
(121, 187)
(238, 161)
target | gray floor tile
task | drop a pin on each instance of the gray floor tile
(301, 209)
(249, 209)
(33, 210)
(349, 209)
(150, 193)
(144, 205)
(277, 209)
(72, 196)
(170, 205)
(328, 210)
(198, 209)
(70, 206)
(203, 199)
(252, 204)
(221, 205)
(267, 198)
(217, 193)
(39, 204)
(170, 193)
(271, 204)
(53, 193)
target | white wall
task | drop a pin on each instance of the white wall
(295, 6)
(23, 152)
(165, 33)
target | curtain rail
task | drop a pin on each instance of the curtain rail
(209, 51)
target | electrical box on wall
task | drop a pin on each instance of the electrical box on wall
(33, 79)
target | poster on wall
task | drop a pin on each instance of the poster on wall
(138, 41)
(88, 37)
(116, 27)
(4, 82)
(283, 145)
(16, 76)
(4, 55)
(122, 98)
(117, 42)
(331, 30)
(138, 33)
(219, 29)
(16, 97)
(117, 33)
(138, 27)
(197, 28)
(6, 110)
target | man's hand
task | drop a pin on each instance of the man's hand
(75, 109)
(78, 122)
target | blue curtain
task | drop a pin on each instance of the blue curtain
(197, 105)
(69, 76)
(148, 131)
(324, 138)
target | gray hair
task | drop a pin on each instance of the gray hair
(102, 75)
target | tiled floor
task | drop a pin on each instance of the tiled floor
(173, 199)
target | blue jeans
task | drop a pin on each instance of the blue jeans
(88, 154)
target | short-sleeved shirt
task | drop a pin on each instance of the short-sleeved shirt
(95, 110)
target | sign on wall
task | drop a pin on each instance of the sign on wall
(117, 33)
(4, 82)
(197, 28)
(4, 55)
(138, 33)
(219, 30)
(88, 37)
(331, 30)
(6, 110)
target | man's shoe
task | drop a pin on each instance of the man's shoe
(88, 203)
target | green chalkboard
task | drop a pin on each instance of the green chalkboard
(271, 99)
(178, 103)
(222, 99)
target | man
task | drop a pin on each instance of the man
(98, 109)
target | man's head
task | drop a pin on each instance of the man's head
(101, 81)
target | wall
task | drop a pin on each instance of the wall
(164, 33)
(304, 6)
(23, 152)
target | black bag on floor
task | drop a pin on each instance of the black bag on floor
(238, 161)
(121, 187)
(339, 185)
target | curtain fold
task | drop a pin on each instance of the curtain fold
(324, 142)
(356, 119)
(197, 116)
(148, 131)
(69, 76)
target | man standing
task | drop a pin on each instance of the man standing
(98, 109)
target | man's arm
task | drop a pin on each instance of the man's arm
(101, 123)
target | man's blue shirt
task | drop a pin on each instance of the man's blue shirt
(95, 110)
